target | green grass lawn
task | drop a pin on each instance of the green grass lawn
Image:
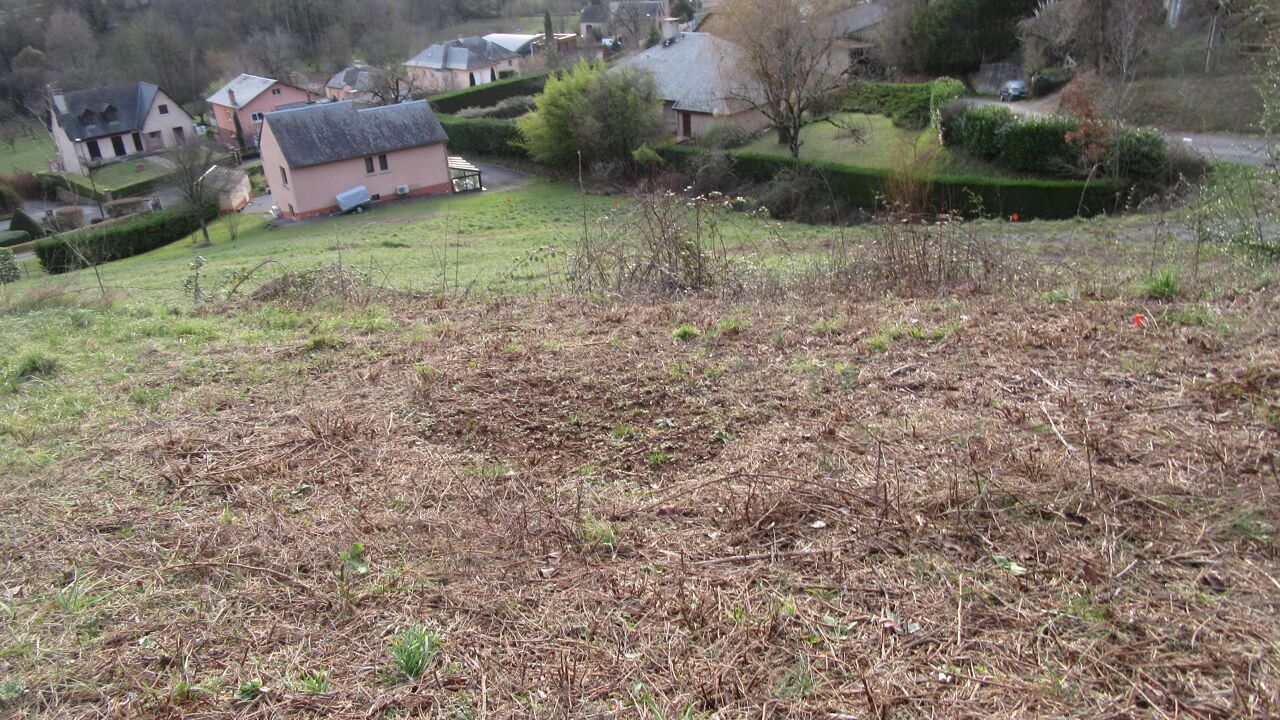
(116, 175)
(883, 146)
(31, 152)
(505, 241)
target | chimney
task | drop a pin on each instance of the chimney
(231, 95)
(670, 30)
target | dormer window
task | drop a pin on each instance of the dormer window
(86, 117)
(110, 114)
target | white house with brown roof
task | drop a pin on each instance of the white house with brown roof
(108, 124)
(313, 153)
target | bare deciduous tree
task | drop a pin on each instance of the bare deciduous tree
(790, 68)
(199, 179)
(392, 85)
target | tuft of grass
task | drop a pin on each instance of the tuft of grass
(77, 596)
(623, 432)
(728, 326)
(1247, 525)
(251, 691)
(1166, 285)
(657, 459)
(414, 650)
(314, 681)
(321, 342)
(685, 333)
(829, 326)
(32, 366)
(595, 532)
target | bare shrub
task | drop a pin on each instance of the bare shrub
(68, 218)
(909, 257)
(334, 281)
(909, 183)
(668, 245)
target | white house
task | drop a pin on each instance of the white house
(108, 124)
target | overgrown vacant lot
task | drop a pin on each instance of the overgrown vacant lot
(990, 506)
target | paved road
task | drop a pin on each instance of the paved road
(1243, 149)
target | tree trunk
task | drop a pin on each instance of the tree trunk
(784, 135)
(204, 230)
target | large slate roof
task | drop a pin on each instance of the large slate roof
(245, 86)
(698, 73)
(131, 101)
(329, 132)
(461, 54)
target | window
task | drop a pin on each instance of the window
(117, 145)
(275, 91)
(256, 117)
(110, 114)
(178, 134)
(137, 142)
(86, 117)
(284, 178)
(164, 109)
(368, 166)
(231, 116)
(382, 162)
(95, 152)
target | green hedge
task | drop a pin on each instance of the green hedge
(485, 136)
(1039, 145)
(9, 238)
(82, 187)
(864, 187)
(488, 94)
(120, 240)
(980, 130)
(906, 104)
(942, 91)
(22, 221)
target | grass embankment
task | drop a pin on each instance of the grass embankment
(882, 146)
(493, 242)
(31, 152)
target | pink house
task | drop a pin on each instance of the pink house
(311, 154)
(249, 98)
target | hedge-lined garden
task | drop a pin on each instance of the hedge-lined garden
(82, 187)
(116, 240)
(973, 196)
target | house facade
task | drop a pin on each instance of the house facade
(353, 83)
(313, 153)
(109, 124)
(248, 98)
(461, 63)
(701, 82)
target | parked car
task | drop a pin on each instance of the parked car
(1013, 90)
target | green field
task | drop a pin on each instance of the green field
(116, 175)
(499, 241)
(31, 152)
(882, 146)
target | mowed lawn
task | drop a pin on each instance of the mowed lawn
(503, 241)
(30, 152)
(115, 175)
(882, 146)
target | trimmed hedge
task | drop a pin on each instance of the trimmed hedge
(1039, 145)
(106, 242)
(488, 94)
(22, 221)
(863, 187)
(485, 136)
(980, 130)
(9, 238)
(906, 104)
(83, 188)
(9, 271)
(1141, 154)
(942, 91)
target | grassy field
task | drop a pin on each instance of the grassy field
(1197, 104)
(882, 146)
(31, 152)
(115, 175)
(999, 497)
(494, 242)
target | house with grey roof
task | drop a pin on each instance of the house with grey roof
(312, 154)
(110, 124)
(855, 37)
(460, 63)
(702, 83)
(352, 83)
(626, 19)
(237, 108)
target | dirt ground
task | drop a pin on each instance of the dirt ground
(986, 506)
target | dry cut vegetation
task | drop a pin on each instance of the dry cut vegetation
(990, 506)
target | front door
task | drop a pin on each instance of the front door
(117, 144)
(178, 134)
(686, 124)
(95, 153)
(137, 142)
